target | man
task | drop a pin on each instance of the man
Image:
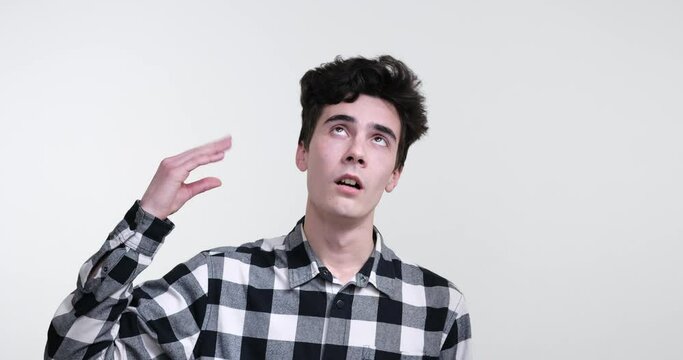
(330, 289)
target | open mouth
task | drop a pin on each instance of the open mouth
(349, 181)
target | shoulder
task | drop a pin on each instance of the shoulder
(259, 246)
(419, 281)
(260, 253)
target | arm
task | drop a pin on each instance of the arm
(457, 336)
(105, 316)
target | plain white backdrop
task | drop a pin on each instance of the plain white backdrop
(548, 188)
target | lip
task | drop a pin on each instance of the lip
(350, 177)
(347, 190)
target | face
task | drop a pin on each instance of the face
(350, 160)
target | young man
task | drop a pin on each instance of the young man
(330, 289)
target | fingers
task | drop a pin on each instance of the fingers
(199, 160)
(200, 186)
(219, 146)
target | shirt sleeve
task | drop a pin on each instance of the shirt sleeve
(106, 317)
(457, 335)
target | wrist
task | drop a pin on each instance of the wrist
(150, 209)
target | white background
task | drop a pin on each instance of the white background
(548, 188)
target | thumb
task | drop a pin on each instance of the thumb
(202, 185)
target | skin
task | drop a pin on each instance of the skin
(339, 224)
(167, 192)
(358, 139)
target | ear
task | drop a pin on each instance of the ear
(301, 157)
(393, 180)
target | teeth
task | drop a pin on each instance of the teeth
(349, 182)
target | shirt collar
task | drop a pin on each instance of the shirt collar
(382, 269)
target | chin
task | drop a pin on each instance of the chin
(349, 212)
(348, 215)
(343, 211)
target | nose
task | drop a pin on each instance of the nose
(355, 153)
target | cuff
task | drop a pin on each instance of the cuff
(153, 229)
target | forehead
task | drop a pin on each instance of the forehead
(367, 110)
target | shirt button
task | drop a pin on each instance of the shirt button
(340, 304)
(325, 273)
(105, 269)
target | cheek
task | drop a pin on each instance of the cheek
(320, 162)
(317, 163)
(385, 166)
(326, 154)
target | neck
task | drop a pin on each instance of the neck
(342, 244)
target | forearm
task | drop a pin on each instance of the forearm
(104, 288)
(105, 312)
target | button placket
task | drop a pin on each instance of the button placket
(339, 304)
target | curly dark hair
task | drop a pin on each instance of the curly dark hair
(345, 79)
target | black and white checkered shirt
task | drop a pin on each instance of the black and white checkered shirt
(270, 299)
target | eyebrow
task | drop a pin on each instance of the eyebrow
(381, 128)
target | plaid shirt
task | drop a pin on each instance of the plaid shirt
(267, 299)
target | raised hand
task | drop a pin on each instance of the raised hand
(167, 192)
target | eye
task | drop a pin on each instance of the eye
(380, 140)
(338, 130)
